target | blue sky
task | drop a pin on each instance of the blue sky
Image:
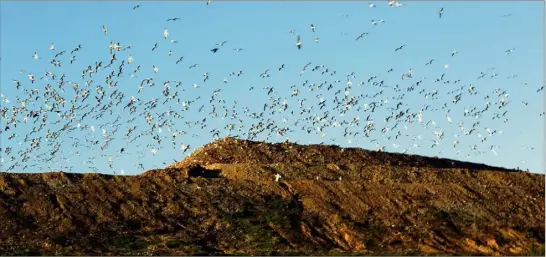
(480, 32)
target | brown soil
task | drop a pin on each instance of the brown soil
(329, 201)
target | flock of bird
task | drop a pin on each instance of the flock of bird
(90, 111)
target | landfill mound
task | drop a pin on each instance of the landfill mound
(223, 200)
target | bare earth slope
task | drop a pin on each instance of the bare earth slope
(329, 201)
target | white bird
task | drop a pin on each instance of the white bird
(130, 59)
(31, 77)
(35, 56)
(104, 30)
(371, 5)
(298, 43)
(154, 151)
(277, 177)
(52, 47)
(312, 28)
(155, 69)
(165, 33)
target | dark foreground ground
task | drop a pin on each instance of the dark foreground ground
(329, 201)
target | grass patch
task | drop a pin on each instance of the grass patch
(536, 251)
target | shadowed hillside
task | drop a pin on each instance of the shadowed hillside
(223, 200)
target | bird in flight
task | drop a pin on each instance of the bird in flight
(441, 12)
(104, 30)
(221, 43)
(165, 33)
(399, 48)
(136, 6)
(214, 50)
(362, 35)
(312, 28)
(173, 19)
(298, 43)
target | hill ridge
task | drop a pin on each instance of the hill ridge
(225, 151)
(328, 201)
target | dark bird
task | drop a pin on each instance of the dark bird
(214, 50)
(441, 12)
(173, 19)
(399, 48)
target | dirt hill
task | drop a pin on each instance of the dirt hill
(223, 200)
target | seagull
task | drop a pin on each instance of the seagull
(277, 177)
(454, 53)
(399, 48)
(298, 43)
(237, 49)
(52, 47)
(371, 5)
(104, 30)
(165, 33)
(361, 35)
(221, 43)
(35, 56)
(136, 6)
(180, 60)
(173, 19)
(214, 50)
(208, 2)
(509, 51)
(312, 28)
(441, 12)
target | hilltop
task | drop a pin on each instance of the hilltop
(329, 200)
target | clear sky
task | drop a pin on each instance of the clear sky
(480, 32)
